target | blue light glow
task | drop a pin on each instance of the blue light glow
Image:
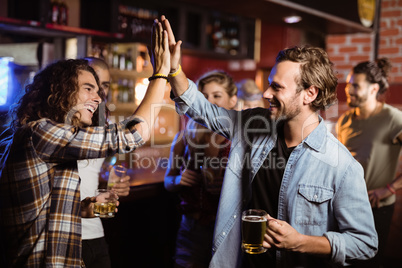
(4, 76)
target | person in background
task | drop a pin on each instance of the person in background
(55, 124)
(284, 160)
(372, 132)
(248, 95)
(196, 167)
(95, 251)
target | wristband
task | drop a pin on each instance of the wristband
(159, 74)
(391, 189)
(156, 76)
(176, 72)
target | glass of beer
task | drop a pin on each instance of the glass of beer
(253, 226)
(106, 203)
(116, 173)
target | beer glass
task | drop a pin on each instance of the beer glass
(106, 203)
(253, 226)
(115, 174)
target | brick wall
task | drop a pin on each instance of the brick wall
(347, 50)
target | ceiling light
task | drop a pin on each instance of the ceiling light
(292, 19)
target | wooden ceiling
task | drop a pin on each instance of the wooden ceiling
(320, 16)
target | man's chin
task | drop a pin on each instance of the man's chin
(278, 117)
(353, 105)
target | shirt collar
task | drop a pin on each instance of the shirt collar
(317, 138)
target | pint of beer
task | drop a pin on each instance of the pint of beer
(106, 203)
(254, 224)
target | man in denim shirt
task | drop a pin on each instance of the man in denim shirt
(285, 161)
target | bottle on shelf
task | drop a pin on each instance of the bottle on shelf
(54, 12)
(110, 56)
(125, 94)
(122, 19)
(96, 51)
(63, 13)
(122, 61)
(115, 57)
(104, 54)
(130, 89)
(120, 90)
(129, 60)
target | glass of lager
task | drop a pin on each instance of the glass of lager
(106, 203)
(115, 174)
(253, 226)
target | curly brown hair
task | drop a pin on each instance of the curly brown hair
(52, 94)
(315, 70)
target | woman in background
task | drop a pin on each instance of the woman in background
(196, 168)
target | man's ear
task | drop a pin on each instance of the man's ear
(374, 88)
(310, 94)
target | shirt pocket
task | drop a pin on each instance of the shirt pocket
(313, 204)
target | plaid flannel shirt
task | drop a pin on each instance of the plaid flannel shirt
(39, 188)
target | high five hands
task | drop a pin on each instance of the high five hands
(174, 46)
(160, 52)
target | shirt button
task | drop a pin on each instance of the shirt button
(234, 216)
(224, 233)
(315, 196)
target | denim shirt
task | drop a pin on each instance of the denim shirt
(323, 192)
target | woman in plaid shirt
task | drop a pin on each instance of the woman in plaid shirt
(53, 125)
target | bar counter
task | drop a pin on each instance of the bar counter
(143, 232)
(145, 183)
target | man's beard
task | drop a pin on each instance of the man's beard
(357, 102)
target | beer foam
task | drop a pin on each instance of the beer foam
(253, 218)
